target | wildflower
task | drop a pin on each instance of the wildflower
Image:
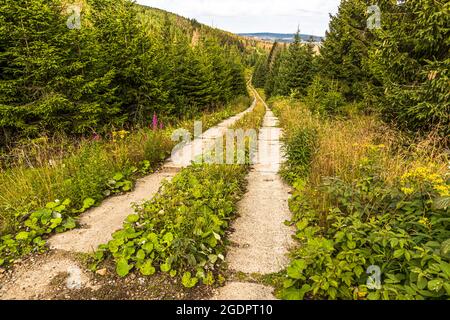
(425, 222)
(421, 175)
(122, 134)
(443, 190)
(96, 137)
(361, 294)
(155, 121)
(407, 191)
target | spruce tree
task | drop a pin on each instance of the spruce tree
(410, 58)
(260, 73)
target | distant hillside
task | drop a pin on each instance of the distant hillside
(281, 37)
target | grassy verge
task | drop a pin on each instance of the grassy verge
(370, 207)
(252, 120)
(181, 231)
(50, 181)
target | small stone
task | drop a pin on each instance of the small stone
(101, 272)
(2, 270)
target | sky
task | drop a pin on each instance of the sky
(249, 16)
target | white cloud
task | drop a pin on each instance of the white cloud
(255, 15)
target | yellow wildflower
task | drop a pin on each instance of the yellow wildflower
(443, 190)
(407, 191)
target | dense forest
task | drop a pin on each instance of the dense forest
(122, 64)
(399, 70)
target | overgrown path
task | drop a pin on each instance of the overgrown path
(32, 279)
(261, 240)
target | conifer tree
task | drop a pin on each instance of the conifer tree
(345, 47)
(410, 59)
(260, 73)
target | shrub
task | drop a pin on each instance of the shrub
(368, 224)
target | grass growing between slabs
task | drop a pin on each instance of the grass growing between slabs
(182, 230)
(46, 183)
(369, 203)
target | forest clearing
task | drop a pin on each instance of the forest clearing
(148, 156)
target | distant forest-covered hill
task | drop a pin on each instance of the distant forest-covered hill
(281, 37)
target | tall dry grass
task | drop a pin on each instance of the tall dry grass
(343, 145)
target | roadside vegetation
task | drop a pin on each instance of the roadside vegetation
(363, 197)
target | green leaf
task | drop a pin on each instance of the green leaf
(373, 296)
(445, 267)
(127, 186)
(188, 281)
(301, 225)
(398, 253)
(88, 203)
(22, 235)
(140, 255)
(446, 287)
(168, 238)
(69, 224)
(165, 267)
(197, 193)
(148, 247)
(147, 268)
(132, 218)
(122, 267)
(295, 294)
(118, 176)
(212, 258)
(421, 282)
(435, 285)
(351, 244)
(51, 205)
(358, 270)
(295, 270)
(153, 237)
(445, 248)
(212, 241)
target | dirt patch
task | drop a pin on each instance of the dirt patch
(32, 278)
(61, 275)
(244, 291)
(133, 287)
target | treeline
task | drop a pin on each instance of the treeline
(114, 67)
(399, 70)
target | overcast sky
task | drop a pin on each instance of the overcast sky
(242, 16)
